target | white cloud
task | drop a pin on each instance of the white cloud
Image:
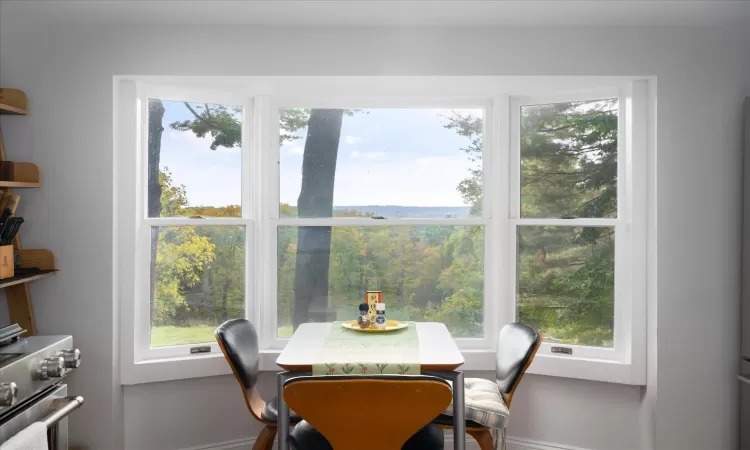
(294, 149)
(187, 140)
(366, 155)
(435, 160)
(351, 140)
(403, 182)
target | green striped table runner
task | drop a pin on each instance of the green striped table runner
(349, 352)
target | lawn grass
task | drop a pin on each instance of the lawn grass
(170, 335)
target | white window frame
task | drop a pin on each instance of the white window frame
(624, 360)
(622, 236)
(262, 96)
(143, 350)
(272, 221)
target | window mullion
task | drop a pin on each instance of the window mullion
(368, 222)
(266, 144)
(498, 272)
(579, 222)
(191, 222)
(250, 205)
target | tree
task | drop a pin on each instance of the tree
(471, 127)
(568, 169)
(316, 196)
(173, 198)
(155, 130)
(181, 257)
(316, 200)
(228, 267)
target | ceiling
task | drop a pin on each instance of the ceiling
(391, 13)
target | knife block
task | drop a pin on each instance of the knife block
(7, 262)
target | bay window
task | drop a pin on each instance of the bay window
(474, 202)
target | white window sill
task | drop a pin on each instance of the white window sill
(201, 366)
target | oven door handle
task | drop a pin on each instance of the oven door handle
(71, 404)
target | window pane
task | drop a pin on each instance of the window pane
(566, 283)
(194, 161)
(569, 159)
(426, 273)
(392, 163)
(197, 282)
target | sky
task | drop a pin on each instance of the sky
(403, 157)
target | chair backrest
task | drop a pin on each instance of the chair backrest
(379, 412)
(238, 341)
(517, 344)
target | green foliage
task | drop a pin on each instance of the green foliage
(569, 160)
(472, 128)
(565, 274)
(424, 273)
(223, 123)
(173, 198)
(199, 271)
(180, 258)
(291, 120)
(568, 169)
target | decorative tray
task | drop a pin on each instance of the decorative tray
(393, 325)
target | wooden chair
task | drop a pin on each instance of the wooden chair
(487, 402)
(238, 341)
(379, 412)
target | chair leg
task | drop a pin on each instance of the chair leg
(264, 441)
(483, 438)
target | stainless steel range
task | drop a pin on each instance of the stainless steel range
(32, 371)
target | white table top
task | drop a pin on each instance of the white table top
(437, 349)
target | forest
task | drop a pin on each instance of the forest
(565, 275)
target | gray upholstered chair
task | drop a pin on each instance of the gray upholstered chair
(239, 343)
(488, 402)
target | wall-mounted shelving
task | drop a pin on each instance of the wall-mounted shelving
(13, 101)
(19, 175)
(26, 277)
(34, 264)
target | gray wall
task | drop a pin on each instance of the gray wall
(67, 73)
(573, 412)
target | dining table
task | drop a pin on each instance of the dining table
(425, 347)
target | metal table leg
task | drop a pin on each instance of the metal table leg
(459, 416)
(282, 422)
(459, 421)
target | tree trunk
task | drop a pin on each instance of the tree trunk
(155, 129)
(224, 295)
(316, 200)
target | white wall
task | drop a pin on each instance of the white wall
(67, 73)
(574, 412)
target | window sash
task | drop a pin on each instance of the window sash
(142, 308)
(276, 103)
(623, 301)
(270, 106)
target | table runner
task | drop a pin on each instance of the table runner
(349, 352)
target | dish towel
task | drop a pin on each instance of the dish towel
(33, 437)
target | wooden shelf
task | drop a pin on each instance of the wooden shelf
(35, 257)
(13, 102)
(19, 175)
(18, 279)
(18, 184)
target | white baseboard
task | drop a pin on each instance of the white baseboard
(513, 444)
